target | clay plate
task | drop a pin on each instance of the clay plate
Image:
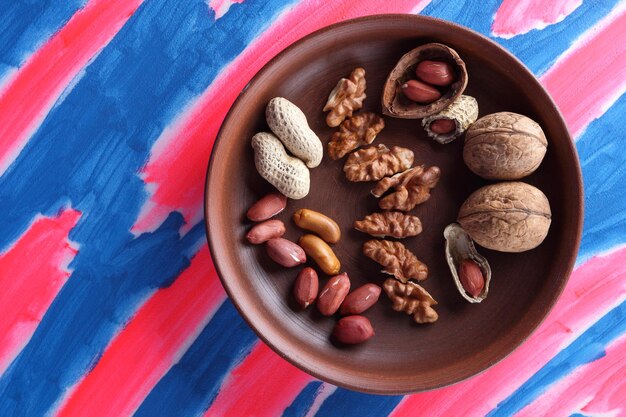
(403, 357)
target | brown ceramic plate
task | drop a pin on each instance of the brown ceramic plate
(403, 357)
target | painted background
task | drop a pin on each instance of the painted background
(109, 303)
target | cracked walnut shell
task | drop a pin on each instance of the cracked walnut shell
(412, 299)
(376, 162)
(508, 216)
(346, 97)
(359, 130)
(411, 187)
(390, 223)
(396, 259)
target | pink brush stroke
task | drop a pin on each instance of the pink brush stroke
(516, 17)
(32, 272)
(594, 288)
(175, 171)
(588, 78)
(262, 385)
(596, 388)
(221, 7)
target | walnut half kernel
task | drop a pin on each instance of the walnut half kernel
(347, 96)
(376, 162)
(390, 223)
(412, 299)
(396, 259)
(359, 130)
(411, 187)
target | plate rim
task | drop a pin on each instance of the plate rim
(571, 148)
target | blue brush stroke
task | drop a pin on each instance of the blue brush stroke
(343, 402)
(303, 402)
(26, 25)
(603, 162)
(87, 153)
(193, 383)
(588, 347)
(538, 49)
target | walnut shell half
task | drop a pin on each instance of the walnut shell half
(508, 216)
(395, 104)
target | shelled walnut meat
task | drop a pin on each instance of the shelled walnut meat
(376, 162)
(359, 130)
(390, 223)
(508, 216)
(412, 299)
(411, 187)
(346, 97)
(396, 259)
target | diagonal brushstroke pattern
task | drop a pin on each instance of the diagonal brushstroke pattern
(165, 147)
(221, 7)
(603, 163)
(585, 356)
(28, 288)
(520, 17)
(344, 402)
(262, 375)
(597, 388)
(25, 25)
(31, 92)
(110, 207)
(305, 400)
(193, 383)
(599, 85)
(107, 142)
(149, 344)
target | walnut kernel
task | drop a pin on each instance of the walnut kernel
(376, 162)
(346, 97)
(358, 130)
(411, 187)
(413, 299)
(390, 223)
(397, 260)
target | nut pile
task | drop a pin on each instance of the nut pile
(427, 83)
(335, 296)
(400, 188)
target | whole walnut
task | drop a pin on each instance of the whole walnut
(508, 216)
(504, 146)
